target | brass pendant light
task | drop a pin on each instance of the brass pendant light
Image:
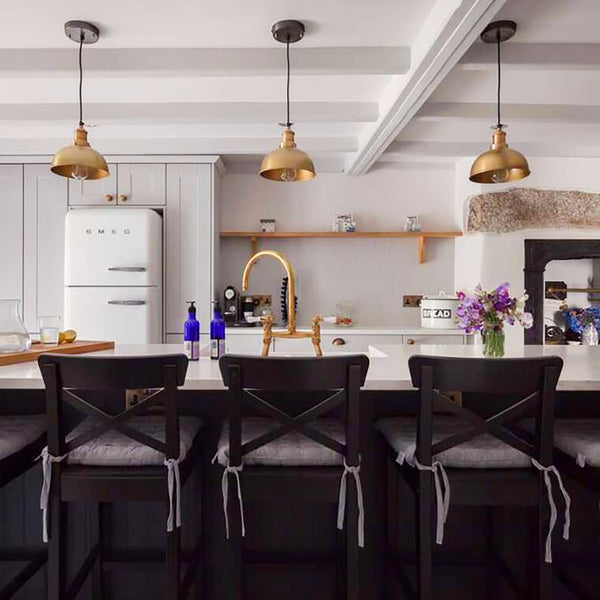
(80, 160)
(287, 163)
(500, 163)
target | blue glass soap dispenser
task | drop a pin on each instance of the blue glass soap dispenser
(191, 334)
(217, 333)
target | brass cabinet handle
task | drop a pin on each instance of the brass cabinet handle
(109, 197)
(410, 341)
(122, 198)
(338, 342)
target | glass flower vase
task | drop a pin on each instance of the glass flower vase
(493, 341)
(13, 335)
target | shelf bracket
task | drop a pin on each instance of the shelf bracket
(421, 249)
(253, 245)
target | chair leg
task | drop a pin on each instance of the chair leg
(235, 545)
(489, 551)
(57, 546)
(424, 536)
(352, 549)
(544, 569)
(96, 524)
(172, 565)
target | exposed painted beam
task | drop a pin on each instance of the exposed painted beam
(194, 112)
(175, 62)
(543, 113)
(446, 35)
(400, 151)
(191, 145)
(538, 56)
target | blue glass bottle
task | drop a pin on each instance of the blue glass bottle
(217, 334)
(191, 334)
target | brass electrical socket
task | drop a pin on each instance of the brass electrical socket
(411, 301)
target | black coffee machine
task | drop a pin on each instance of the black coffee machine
(233, 310)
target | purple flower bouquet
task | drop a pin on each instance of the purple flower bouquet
(487, 312)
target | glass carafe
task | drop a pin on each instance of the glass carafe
(13, 335)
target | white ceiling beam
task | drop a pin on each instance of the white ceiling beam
(314, 88)
(193, 112)
(511, 113)
(180, 145)
(401, 151)
(448, 32)
(533, 56)
(205, 62)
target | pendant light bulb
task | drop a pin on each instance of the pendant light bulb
(80, 161)
(287, 163)
(500, 163)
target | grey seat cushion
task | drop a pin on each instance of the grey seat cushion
(18, 431)
(116, 449)
(292, 449)
(579, 438)
(482, 452)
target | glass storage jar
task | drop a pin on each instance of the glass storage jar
(13, 335)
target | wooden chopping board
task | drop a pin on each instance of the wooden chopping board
(77, 347)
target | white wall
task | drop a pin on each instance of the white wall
(371, 273)
(491, 259)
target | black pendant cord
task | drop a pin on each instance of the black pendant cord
(287, 52)
(499, 124)
(80, 82)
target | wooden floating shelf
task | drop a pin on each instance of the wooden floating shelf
(422, 236)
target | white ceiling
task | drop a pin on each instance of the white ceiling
(550, 89)
(209, 24)
(189, 76)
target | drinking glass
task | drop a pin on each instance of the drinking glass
(49, 329)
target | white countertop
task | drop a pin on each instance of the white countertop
(358, 330)
(388, 369)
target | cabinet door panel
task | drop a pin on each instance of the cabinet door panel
(141, 184)
(11, 231)
(96, 192)
(189, 255)
(45, 206)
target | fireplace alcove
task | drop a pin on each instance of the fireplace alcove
(538, 253)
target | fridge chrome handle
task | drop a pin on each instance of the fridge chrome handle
(128, 269)
(127, 302)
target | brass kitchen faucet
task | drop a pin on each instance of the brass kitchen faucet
(267, 321)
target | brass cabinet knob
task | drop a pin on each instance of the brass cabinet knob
(410, 341)
(338, 342)
(122, 198)
(109, 197)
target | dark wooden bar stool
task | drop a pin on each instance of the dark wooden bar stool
(577, 455)
(467, 459)
(21, 440)
(111, 458)
(302, 458)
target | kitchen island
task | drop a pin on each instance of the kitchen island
(388, 370)
(388, 391)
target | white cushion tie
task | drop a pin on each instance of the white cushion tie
(442, 498)
(553, 511)
(174, 485)
(355, 472)
(47, 460)
(235, 471)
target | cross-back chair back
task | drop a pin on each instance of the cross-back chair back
(246, 377)
(533, 379)
(66, 377)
